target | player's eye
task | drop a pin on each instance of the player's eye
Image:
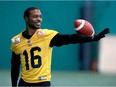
(40, 16)
(36, 16)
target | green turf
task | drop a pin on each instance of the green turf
(83, 79)
(70, 79)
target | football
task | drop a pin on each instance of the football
(84, 27)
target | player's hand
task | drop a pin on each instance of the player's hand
(101, 34)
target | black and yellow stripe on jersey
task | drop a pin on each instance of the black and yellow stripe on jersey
(35, 55)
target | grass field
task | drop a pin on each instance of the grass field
(70, 79)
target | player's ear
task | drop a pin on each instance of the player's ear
(26, 19)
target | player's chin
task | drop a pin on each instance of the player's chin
(37, 26)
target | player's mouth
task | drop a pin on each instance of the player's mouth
(37, 23)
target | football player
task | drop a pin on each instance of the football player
(32, 49)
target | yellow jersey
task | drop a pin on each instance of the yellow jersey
(35, 55)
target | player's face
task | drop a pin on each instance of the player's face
(34, 19)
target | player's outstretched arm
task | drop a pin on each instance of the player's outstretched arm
(101, 34)
(64, 39)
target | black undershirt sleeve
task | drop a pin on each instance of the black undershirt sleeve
(15, 67)
(64, 39)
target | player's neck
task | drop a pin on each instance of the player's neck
(30, 31)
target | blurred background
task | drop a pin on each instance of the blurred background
(89, 64)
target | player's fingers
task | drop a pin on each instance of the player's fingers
(105, 31)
